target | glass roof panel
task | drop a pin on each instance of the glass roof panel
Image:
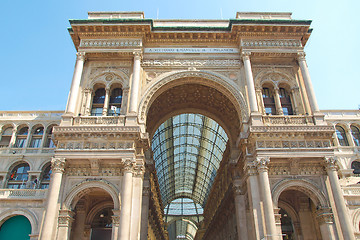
(187, 151)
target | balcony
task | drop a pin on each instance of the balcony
(351, 191)
(288, 120)
(8, 150)
(23, 194)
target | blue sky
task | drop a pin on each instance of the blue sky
(37, 54)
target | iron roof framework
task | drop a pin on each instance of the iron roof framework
(187, 151)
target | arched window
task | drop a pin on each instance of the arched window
(356, 166)
(269, 102)
(355, 134)
(6, 137)
(37, 137)
(45, 177)
(21, 137)
(115, 102)
(18, 176)
(98, 102)
(48, 141)
(285, 101)
(341, 135)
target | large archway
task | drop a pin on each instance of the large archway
(191, 121)
(17, 227)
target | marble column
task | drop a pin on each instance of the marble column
(294, 102)
(265, 191)
(137, 202)
(260, 100)
(13, 137)
(145, 210)
(254, 201)
(126, 200)
(115, 224)
(279, 110)
(324, 218)
(343, 213)
(64, 224)
(307, 81)
(240, 208)
(75, 84)
(135, 83)
(52, 206)
(250, 82)
(106, 102)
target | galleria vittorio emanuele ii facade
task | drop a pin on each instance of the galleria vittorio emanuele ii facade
(183, 129)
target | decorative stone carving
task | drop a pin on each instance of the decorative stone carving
(261, 163)
(146, 191)
(65, 218)
(129, 165)
(324, 216)
(110, 43)
(191, 63)
(331, 163)
(80, 56)
(57, 165)
(280, 43)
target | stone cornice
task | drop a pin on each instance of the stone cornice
(297, 129)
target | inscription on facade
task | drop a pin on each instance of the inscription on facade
(191, 50)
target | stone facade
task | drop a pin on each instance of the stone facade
(288, 168)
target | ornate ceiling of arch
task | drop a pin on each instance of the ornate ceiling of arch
(194, 98)
(188, 149)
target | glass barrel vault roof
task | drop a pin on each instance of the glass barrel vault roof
(187, 151)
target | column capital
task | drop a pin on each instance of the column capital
(88, 90)
(65, 218)
(58, 165)
(80, 56)
(115, 220)
(137, 55)
(250, 167)
(139, 170)
(261, 163)
(324, 216)
(301, 56)
(330, 163)
(245, 55)
(237, 189)
(129, 165)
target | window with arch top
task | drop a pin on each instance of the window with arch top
(37, 138)
(21, 137)
(18, 176)
(45, 177)
(115, 102)
(341, 135)
(285, 101)
(269, 101)
(6, 137)
(355, 134)
(98, 102)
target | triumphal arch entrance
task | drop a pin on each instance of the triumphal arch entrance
(183, 129)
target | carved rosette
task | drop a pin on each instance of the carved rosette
(324, 216)
(331, 163)
(57, 165)
(65, 218)
(261, 163)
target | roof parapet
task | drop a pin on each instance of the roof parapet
(264, 15)
(116, 15)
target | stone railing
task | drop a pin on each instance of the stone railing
(104, 120)
(351, 191)
(288, 120)
(23, 193)
(7, 150)
(31, 114)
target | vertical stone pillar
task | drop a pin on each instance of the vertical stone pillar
(278, 106)
(343, 213)
(260, 100)
(28, 137)
(79, 224)
(87, 108)
(137, 202)
(64, 223)
(278, 221)
(324, 218)
(254, 201)
(250, 82)
(145, 210)
(294, 102)
(115, 224)
(134, 89)
(106, 102)
(307, 81)
(47, 230)
(13, 137)
(349, 135)
(125, 101)
(126, 200)
(264, 184)
(240, 208)
(75, 84)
